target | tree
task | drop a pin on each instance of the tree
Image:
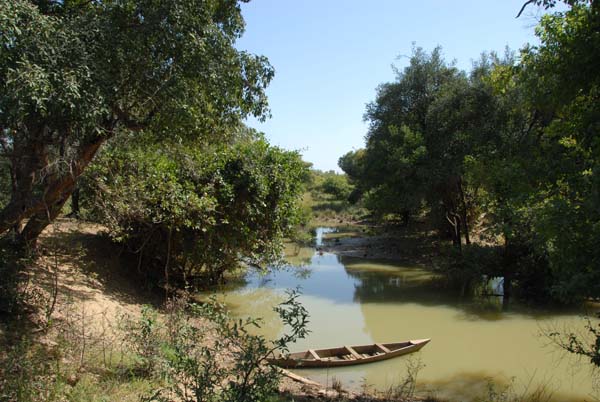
(352, 163)
(547, 4)
(416, 143)
(74, 74)
(539, 174)
(191, 213)
(563, 83)
(336, 185)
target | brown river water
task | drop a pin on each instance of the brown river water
(478, 347)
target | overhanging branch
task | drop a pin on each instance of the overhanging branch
(132, 124)
(524, 6)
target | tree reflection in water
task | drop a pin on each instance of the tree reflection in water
(355, 301)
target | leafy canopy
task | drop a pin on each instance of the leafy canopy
(198, 211)
(76, 73)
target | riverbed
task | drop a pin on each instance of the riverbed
(478, 345)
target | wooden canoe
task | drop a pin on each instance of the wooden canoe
(347, 355)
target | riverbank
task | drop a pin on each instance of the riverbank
(81, 294)
(70, 339)
(415, 245)
(384, 295)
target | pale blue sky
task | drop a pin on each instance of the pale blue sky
(330, 55)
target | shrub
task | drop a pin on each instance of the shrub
(206, 355)
(337, 186)
(192, 213)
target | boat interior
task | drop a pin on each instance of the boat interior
(349, 352)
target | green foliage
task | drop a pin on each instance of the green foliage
(513, 145)
(190, 353)
(34, 371)
(422, 127)
(547, 4)
(337, 186)
(74, 74)
(352, 163)
(540, 175)
(28, 375)
(327, 199)
(328, 185)
(192, 211)
(142, 340)
(565, 207)
(586, 345)
(214, 357)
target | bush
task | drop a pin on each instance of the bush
(192, 213)
(337, 186)
(206, 355)
(28, 374)
(585, 343)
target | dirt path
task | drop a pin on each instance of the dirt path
(84, 269)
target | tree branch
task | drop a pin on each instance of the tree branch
(132, 124)
(524, 6)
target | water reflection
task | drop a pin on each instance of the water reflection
(355, 280)
(297, 255)
(319, 232)
(256, 303)
(324, 277)
(381, 282)
(475, 341)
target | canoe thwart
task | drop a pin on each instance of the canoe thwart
(352, 352)
(347, 355)
(314, 354)
(383, 348)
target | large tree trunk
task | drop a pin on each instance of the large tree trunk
(13, 188)
(57, 187)
(75, 202)
(29, 156)
(38, 222)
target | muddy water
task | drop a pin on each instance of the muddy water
(476, 344)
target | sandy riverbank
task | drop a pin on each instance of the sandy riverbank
(93, 286)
